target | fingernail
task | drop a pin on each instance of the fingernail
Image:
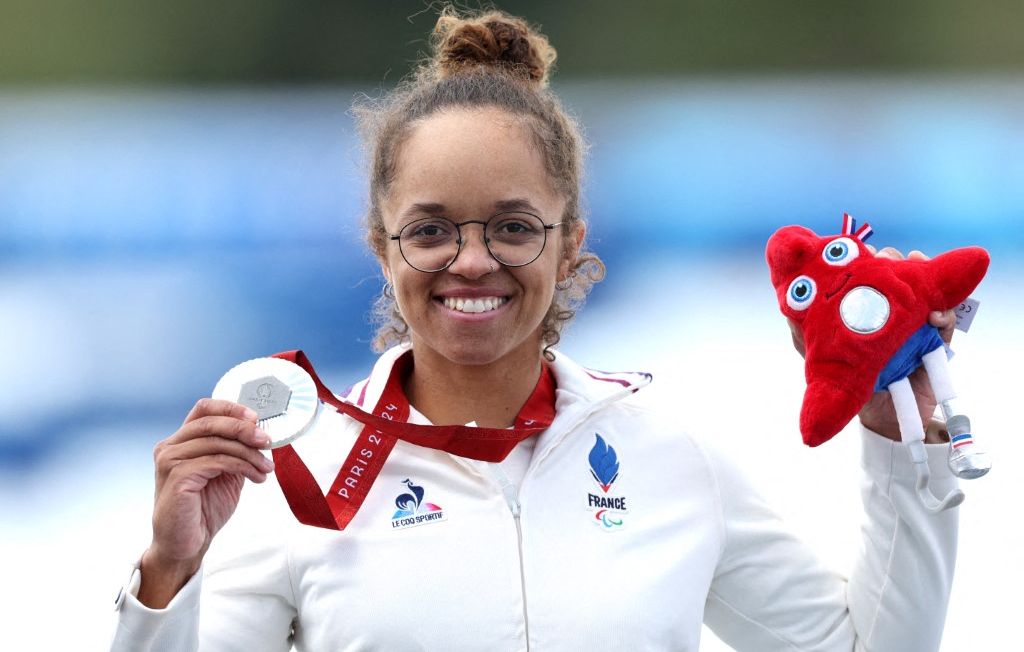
(262, 438)
(250, 414)
(267, 465)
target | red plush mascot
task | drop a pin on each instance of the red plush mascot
(865, 325)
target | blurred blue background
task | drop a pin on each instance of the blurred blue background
(154, 237)
(167, 213)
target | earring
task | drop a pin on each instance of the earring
(565, 283)
(388, 290)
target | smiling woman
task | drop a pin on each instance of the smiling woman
(470, 162)
(511, 531)
(515, 108)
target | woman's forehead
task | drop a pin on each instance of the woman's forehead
(470, 140)
(470, 161)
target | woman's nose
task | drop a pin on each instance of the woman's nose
(473, 260)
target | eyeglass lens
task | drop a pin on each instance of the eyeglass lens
(431, 244)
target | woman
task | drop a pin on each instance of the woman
(609, 530)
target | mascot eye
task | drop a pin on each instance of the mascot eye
(840, 251)
(801, 293)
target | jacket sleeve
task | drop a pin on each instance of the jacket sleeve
(770, 592)
(244, 588)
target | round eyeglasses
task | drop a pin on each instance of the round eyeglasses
(513, 239)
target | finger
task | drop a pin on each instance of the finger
(945, 322)
(244, 431)
(890, 252)
(917, 255)
(872, 249)
(171, 456)
(206, 407)
(212, 466)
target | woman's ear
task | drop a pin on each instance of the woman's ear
(574, 242)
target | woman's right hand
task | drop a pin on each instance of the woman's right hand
(200, 470)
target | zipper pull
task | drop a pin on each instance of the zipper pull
(511, 497)
(508, 490)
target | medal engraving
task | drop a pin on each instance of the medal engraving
(267, 395)
(283, 395)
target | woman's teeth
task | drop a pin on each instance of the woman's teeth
(483, 304)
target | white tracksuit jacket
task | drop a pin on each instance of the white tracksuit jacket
(558, 563)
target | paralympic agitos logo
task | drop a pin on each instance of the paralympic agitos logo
(607, 509)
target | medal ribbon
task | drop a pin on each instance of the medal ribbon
(381, 431)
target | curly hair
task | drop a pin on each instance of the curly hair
(487, 59)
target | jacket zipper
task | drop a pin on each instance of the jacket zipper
(508, 489)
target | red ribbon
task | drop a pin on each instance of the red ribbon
(382, 429)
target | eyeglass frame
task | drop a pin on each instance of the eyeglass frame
(487, 245)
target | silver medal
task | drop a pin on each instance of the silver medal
(281, 393)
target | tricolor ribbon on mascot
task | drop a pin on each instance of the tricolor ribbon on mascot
(381, 431)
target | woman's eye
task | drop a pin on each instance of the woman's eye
(514, 227)
(840, 251)
(427, 231)
(801, 293)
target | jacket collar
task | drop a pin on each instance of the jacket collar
(593, 386)
(580, 393)
(578, 387)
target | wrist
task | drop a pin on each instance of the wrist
(162, 578)
(882, 428)
(934, 430)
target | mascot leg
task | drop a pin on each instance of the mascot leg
(912, 434)
(966, 458)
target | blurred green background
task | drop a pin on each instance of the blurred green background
(268, 41)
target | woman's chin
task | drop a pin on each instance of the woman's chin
(465, 353)
(475, 349)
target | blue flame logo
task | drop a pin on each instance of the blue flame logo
(604, 463)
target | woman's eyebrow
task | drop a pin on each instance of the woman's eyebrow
(429, 209)
(517, 204)
(424, 208)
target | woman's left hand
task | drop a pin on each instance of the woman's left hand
(878, 414)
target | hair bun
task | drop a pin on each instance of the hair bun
(492, 39)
